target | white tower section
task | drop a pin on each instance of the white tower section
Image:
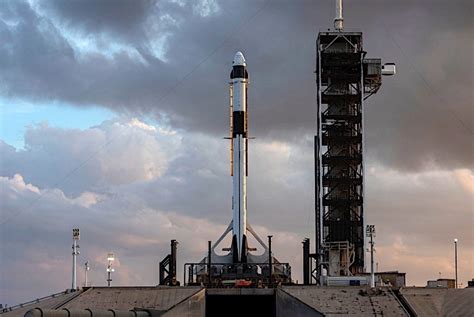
(239, 82)
(339, 20)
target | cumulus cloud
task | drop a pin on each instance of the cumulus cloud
(114, 153)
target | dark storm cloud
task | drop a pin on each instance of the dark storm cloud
(122, 18)
(414, 121)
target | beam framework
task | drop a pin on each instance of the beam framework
(344, 79)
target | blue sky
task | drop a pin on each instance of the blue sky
(16, 115)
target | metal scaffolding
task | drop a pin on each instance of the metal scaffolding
(344, 80)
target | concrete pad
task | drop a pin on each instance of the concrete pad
(440, 301)
(352, 301)
(50, 303)
(126, 298)
(288, 305)
(194, 306)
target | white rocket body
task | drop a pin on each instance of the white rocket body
(238, 227)
(239, 155)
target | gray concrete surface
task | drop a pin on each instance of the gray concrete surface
(289, 300)
(50, 303)
(126, 298)
(288, 305)
(432, 302)
(352, 301)
(194, 306)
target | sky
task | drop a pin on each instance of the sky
(113, 115)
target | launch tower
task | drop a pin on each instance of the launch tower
(345, 78)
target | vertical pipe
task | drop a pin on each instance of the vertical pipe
(270, 264)
(209, 246)
(360, 267)
(320, 191)
(191, 274)
(372, 274)
(185, 281)
(172, 265)
(455, 263)
(306, 267)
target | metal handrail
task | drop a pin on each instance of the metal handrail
(38, 300)
(204, 266)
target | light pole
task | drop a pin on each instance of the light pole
(110, 269)
(370, 232)
(456, 263)
(75, 252)
(86, 270)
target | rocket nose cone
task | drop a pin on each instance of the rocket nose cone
(239, 59)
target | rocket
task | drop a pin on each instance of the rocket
(240, 260)
(239, 227)
(239, 156)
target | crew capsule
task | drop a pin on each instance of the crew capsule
(239, 67)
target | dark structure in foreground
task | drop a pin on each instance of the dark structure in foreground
(345, 78)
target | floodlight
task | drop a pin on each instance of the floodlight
(110, 257)
(75, 233)
(456, 240)
(370, 230)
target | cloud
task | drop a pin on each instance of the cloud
(138, 238)
(416, 214)
(132, 185)
(19, 185)
(466, 178)
(113, 153)
(166, 59)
